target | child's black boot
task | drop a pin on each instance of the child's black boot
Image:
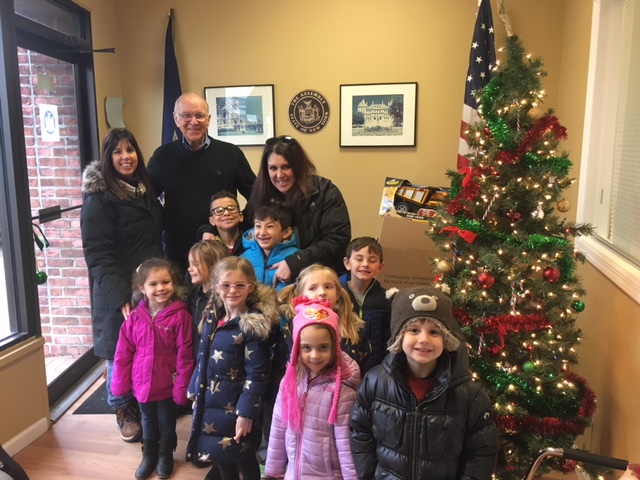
(164, 468)
(149, 458)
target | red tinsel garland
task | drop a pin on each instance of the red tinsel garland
(505, 324)
(547, 124)
(471, 188)
(512, 323)
(554, 425)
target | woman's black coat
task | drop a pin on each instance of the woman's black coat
(116, 237)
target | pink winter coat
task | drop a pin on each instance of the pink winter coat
(150, 353)
(320, 451)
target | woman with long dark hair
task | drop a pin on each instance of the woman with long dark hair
(320, 213)
(121, 225)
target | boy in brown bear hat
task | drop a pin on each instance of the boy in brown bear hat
(419, 414)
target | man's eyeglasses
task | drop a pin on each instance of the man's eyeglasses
(232, 209)
(239, 287)
(281, 139)
(201, 117)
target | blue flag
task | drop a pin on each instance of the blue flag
(172, 89)
(482, 61)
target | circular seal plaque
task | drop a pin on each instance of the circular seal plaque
(309, 111)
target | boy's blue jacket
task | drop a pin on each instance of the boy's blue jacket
(375, 310)
(255, 255)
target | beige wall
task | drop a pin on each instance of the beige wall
(24, 403)
(319, 45)
(297, 46)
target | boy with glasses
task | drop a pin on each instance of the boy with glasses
(225, 221)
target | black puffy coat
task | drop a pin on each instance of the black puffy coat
(448, 435)
(323, 227)
(116, 237)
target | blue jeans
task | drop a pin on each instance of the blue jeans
(158, 419)
(114, 401)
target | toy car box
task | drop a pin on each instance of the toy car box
(411, 201)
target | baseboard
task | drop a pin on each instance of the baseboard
(26, 437)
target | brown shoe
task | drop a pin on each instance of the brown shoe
(128, 421)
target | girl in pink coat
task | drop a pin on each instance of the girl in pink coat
(309, 436)
(154, 359)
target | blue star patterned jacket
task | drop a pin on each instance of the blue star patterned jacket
(231, 379)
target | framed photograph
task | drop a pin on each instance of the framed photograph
(378, 115)
(242, 115)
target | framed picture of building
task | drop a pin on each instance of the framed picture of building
(378, 115)
(242, 115)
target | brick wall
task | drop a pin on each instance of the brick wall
(55, 178)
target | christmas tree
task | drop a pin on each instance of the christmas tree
(509, 263)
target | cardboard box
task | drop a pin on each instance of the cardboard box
(411, 201)
(408, 251)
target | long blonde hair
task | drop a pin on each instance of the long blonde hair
(350, 323)
(209, 252)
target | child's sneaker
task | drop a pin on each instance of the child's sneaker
(128, 421)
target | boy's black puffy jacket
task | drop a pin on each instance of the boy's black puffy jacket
(449, 435)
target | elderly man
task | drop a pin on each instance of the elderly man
(189, 170)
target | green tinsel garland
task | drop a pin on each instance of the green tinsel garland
(499, 129)
(557, 165)
(538, 401)
(534, 242)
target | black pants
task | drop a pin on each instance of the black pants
(158, 419)
(250, 470)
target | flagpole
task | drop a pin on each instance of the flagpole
(172, 89)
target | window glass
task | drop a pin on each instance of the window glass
(5, 326)
(50, 15)
(610, 167)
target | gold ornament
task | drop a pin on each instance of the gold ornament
(563, 205)
(444, 267)
(535, 113)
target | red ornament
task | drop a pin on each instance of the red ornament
(486, 280)
(487, 132)
(568, 465)
(514, 216)
(438, 278)
(551, 274)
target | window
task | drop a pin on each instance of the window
(49, 95)
(610, 174)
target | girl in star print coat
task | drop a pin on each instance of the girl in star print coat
(232, 374)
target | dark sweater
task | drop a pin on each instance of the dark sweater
(188, 179)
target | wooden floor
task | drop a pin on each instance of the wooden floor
(88, 447)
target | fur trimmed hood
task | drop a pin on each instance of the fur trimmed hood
(253, 322)
(92, 179)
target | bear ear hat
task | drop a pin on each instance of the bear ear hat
(390, 293)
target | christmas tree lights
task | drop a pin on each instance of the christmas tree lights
(509, 263)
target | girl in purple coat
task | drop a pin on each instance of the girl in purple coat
(154, 359)
(309, 436)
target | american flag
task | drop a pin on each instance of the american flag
(482, 60)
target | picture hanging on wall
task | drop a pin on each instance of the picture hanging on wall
(242, 115)
(378, 115)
